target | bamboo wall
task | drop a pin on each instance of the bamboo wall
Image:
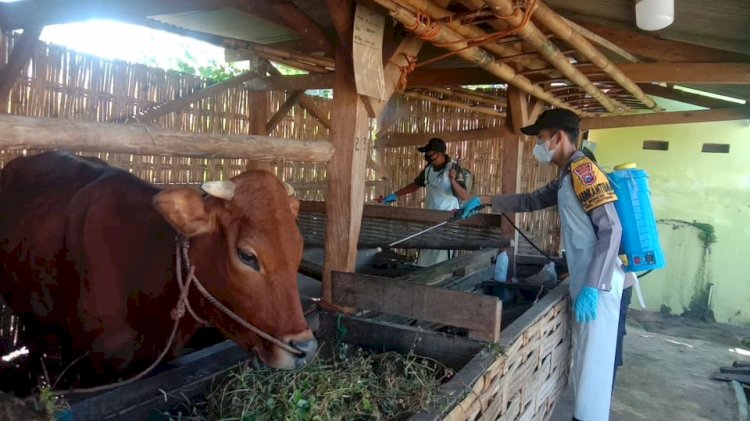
(61, 83)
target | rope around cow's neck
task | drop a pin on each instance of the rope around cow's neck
(229, 313)
(177, 313)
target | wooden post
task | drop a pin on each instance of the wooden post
(258, 117)
(512, 151)
(346, 169)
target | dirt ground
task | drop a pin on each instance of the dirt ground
(668, 364)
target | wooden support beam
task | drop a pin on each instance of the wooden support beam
(347, 168)
(480, 314)
(676, 117)
(258, 118)
(16, 15)
(686, 97)
(17, 61)
(307, 102)
(471, 96)
(512, 151)
(291, 100)
(454, 104)
(379, 232)
(453, 351)
(425, 216)
(709, 73)
(648, 46)
(392, 140)
(47, 133)
(178, 104)
(392, 73)
(713, 73)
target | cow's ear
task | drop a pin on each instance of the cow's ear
(186, 211)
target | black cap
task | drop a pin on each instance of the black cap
(433, 144)
(557, 118)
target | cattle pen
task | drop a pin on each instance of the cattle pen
(340, 152)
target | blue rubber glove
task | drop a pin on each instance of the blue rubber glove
(471, 208)
(390, 198)
(586, 305)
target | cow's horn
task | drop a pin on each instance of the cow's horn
(221, 189)
(289, 188)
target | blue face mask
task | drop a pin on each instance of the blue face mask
(543, 153)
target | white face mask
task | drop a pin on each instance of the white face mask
(543, 154)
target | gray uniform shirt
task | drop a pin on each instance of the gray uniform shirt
(604, 217)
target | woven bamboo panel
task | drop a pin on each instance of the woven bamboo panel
(525, 383)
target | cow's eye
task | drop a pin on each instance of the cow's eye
(248, 259)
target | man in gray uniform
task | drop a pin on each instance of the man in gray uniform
(591, 233)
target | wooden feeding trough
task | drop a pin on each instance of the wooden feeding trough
(515, 372)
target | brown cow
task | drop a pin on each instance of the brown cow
(87, 255)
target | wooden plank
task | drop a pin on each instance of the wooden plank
(452, 351)
(158, 392)
(178, 104)
(675, 117)
(291, 100)
(645, 45)
(435, 274)
(393, 140)
(714, 73)
(347, 168)
(17, 61)
(44, 133)
(427, 216)
(686, 97)
(257, 121)
(478, 313)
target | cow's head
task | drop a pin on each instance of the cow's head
(246, 248)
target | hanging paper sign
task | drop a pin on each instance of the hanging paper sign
(368, 52)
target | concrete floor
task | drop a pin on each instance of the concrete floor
(668, 364)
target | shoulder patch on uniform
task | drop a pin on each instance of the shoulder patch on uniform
(591, 184)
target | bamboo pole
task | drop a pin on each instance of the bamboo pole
(476, 55)
(45, 133)
(455, 104)
(467, 31)
(534, 37)
(598, 39)
(556, 24)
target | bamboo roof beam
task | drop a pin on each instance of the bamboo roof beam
(565, 32)
(454, 104)
(534, 37)
(534, 62)
(601, 41)
(437, 12)
(476, 55)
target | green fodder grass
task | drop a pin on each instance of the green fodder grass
(361, 386)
